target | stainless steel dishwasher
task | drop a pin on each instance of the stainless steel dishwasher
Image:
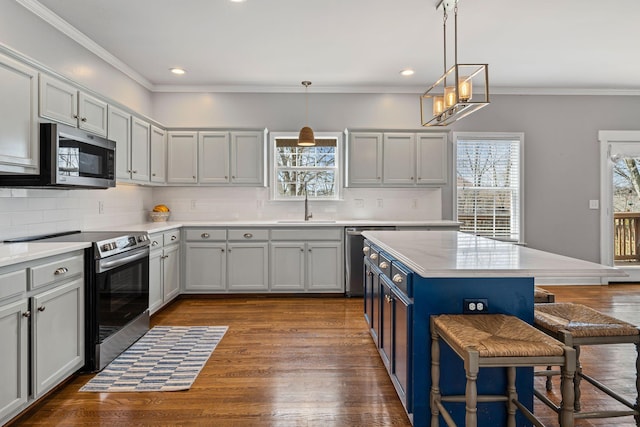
(354, 265)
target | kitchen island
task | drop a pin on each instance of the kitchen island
(411, 275)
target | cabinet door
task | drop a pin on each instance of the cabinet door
(386, 316)
(206, 267)
(119, 130)
(287, 266)
(182, 155)
(58, 101)
(365, 159)
(58, 334)
(368, 293)
(399, 159)
(18, 117)
(213, 157)
(432, 159)
(156, 292)
(247, 265)
(92, 114)
(401, 332)
(14, 357)
(375, 306)
(247, 158)
(158, 154)
(324, 265)
(140, 149)
(171, 270)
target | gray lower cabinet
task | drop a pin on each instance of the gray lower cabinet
(164, 269)
(248, 260)
(205, 260)
(41, 328)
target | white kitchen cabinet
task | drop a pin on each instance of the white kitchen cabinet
(365, 159)
(64, 103)
(399, 153)
(14, 336)
(432, 155)
(205, 260)
(58, 334)
(247, 266)
(164, 269)
(247, 158)
(182, 154)
(19, 140)
(158, 155)
(213, 157)
(396, 159)
(288, 266)
(324, 267)
(140, 150)
(119, 130)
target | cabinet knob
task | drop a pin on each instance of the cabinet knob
(41, 308)
(233, 177)
(388, 298)
(153, 174)
(221, 250)
(26, 314)
(370, 274)
(248, 235)
(84, 119)
(373, 256)
(173, 238)
(384, 264)
(205, 235)
(301, 249)
(60, 271)
(154, 243)
(397, 278)
(310, 250)
(366, 249)
(411, 178)
(75, 116)
(419, 178)
(226, 177)
(193, 177)
(134, 171)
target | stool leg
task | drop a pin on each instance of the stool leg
(577, 379)
(512, 396)
(435, 378)
(471, 393)
(567, 387)
(548, 383)
(637, 416)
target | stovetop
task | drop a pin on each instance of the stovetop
(105, 243)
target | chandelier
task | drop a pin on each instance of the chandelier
(462, 89)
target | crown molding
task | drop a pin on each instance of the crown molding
(73, 33)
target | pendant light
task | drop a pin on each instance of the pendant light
(461, 90)
(306, 138)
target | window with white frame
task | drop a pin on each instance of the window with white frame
(311, 171)
(489, 184)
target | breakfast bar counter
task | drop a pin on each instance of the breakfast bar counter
(411, 275)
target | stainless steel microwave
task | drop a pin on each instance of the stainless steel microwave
(70, 158)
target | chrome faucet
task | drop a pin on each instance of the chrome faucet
(307, 214)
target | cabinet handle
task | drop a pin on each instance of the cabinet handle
(226, 177)
(370, 274)
(153, 174)
(419, 178)
(75, 116)
(154, 243)
(397, 278)
(26, 314)
(164, 256)
(366, 249)
(135, 171)
(60, 271)
(248, 235)
(222, 250)
(233, 177)
(41, 308)
(411, 178)
(193, 177)
(205, 235)
(301, 249)
(84, 119)
(373, 256)
(173, 238)
(310, 250)
(388, 298)
(384, 264)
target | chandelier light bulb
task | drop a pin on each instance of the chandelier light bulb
(465, 88)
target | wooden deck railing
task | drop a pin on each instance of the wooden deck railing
(626, 230)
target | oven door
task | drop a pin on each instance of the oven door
(121, 290)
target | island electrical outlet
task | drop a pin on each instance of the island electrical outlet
(475, 305)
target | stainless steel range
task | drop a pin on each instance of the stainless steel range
(116, 293)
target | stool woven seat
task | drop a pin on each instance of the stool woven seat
(581, 321)
(496, 341)
(541, 295)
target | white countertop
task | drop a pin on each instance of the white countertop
(13, 253)
(456, 254)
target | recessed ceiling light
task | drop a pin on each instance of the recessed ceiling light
(178, 71)
(407, 72)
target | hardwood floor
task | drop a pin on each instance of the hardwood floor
(305, 362)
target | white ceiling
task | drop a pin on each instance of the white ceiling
(531, 46)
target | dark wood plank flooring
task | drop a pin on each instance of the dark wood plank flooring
(304, 362)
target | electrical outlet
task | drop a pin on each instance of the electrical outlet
(475, 305)
(100, 207)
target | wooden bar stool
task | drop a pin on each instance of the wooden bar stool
(576, 325)
(541, 295)
(496, 340)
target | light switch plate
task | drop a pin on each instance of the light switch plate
(594, 204)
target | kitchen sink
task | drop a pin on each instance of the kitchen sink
(302, 221)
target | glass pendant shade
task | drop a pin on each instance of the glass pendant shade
(465, 86)
(438, 105)
(306, 138)
(449, 96)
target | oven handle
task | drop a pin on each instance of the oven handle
(110, 264)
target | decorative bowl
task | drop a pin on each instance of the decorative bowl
(159, 216)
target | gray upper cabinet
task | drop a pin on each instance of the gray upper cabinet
(140, 150)
(64, 103)
(18, 117)
(396, 159)
(213, 157)
(119, 130)
(247, 158)
(158, 155)
(182, 154)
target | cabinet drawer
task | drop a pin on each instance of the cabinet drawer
(249, 234)
(402, 278)
(384, 263)
(204, 234)
(56, 271)
(171, 237)
(306, 234)
(156, 241)
(13, 283)
(373, 254)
